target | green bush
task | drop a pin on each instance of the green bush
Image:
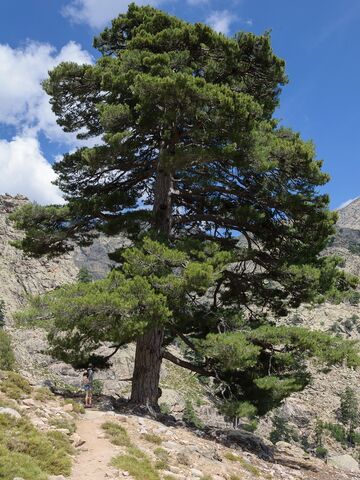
(152, 438)
(7, 358)
(43, 394)
(321, 452)
(116, 434)
(139, 468)
(162, 459)
(97, 387)
(62, 423)
(14, 385)
(2, 314)
(282, 431)
(337, 431)
(190, 417)
(28, 453)
(77, 407)
(165, 408)
(246, 465)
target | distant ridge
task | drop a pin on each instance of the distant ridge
(349, 216)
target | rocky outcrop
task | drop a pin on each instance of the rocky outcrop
(344, 462)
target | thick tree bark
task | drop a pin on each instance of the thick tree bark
(148, 356)
(146, 377)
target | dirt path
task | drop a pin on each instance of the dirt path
(92, 461)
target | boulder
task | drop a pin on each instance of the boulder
(68, 407)
(10, 411)
(344, 462)
(294, 457)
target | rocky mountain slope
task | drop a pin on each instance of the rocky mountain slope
(47, 437)
(20, 276)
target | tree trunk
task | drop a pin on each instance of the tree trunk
(146, 377)
(148, 356)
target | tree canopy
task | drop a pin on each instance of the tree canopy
(221, 203)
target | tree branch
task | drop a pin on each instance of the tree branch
(189, 366)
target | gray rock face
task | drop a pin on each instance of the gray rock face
(344, 462)
(349, 216)
(21, 275)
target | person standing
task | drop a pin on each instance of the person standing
(87, 382)
(90, 375)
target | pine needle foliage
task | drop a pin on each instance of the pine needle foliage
(222, 204)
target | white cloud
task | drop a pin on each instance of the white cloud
(221, 20)
(23, 169)
(25, 106)
(97, 13)
(346, 203)
(197, 2)
(23, 103)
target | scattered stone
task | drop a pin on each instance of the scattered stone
(196, 473)
(169, 445)
(68, 407)
(175, 476)
(174, 469)
(76, 440)
(29, 402)
(344, 462)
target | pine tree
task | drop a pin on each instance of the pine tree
(349, 411)
(84, 276)
(192, 158)
(2, 313)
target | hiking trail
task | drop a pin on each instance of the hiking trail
(93, 459)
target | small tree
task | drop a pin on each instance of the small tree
(2, 314)
(84, 276)
(349, 411)
(282, 431)
(7, 357)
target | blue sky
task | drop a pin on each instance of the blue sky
(319, 41)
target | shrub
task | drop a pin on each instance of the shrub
(77, 407)
(162, 456)
(43, 394)
(349, 408)
(7, 358)
(282, 431)
(246, 465)
(165, 408)
(337, 431)
(97, 387)
(138, 468)
(354, 298)
(116, 434)
(62, 423)
(15, 386)
(26, 452)
(152, 438)
(321, 452)
(2, 314)
(190, 417)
